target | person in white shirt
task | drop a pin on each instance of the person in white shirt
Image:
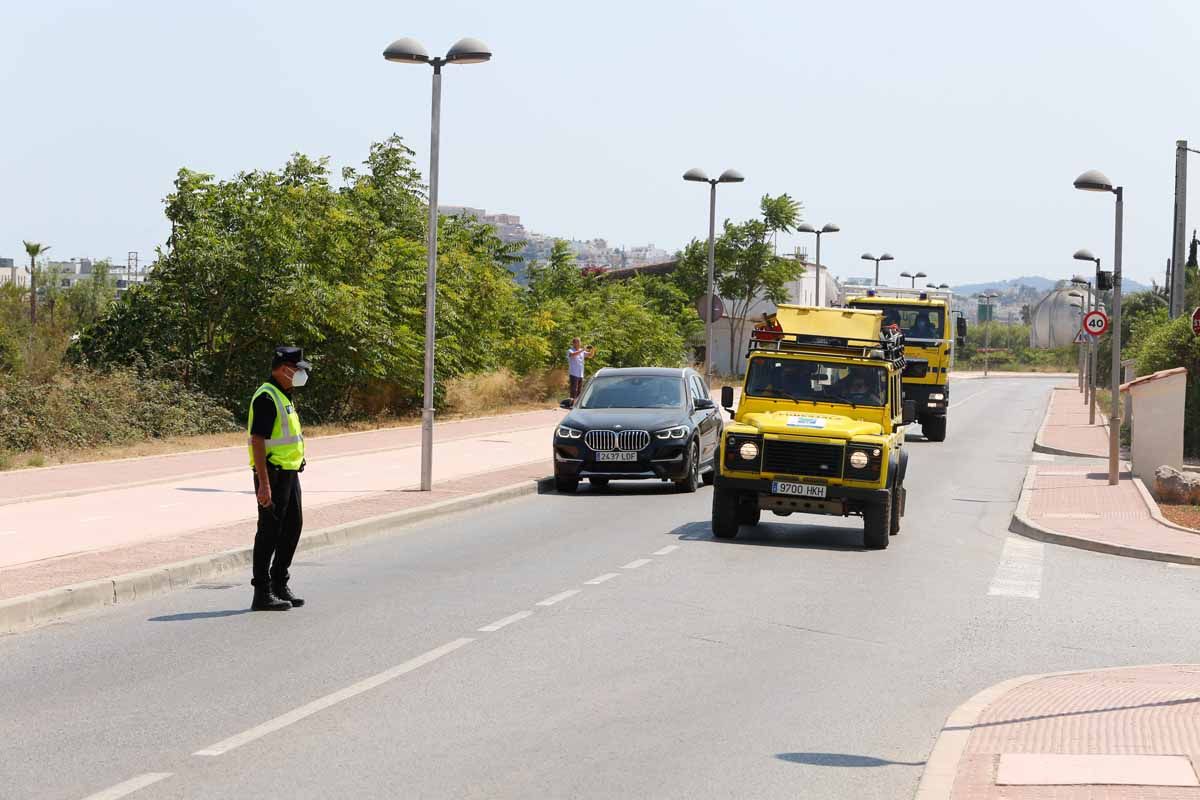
(575, 358)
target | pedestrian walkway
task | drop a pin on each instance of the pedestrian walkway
(1066, 430)
(1131, 733)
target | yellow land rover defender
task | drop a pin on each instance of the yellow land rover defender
(819, 428)
(923, 316)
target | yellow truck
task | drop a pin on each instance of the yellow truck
(819, 427)
(923, 317)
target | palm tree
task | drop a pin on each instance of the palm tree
(34, 249)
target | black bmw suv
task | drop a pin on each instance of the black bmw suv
(638, 424)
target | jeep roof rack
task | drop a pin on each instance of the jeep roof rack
(888, 347)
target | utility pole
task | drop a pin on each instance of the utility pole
(1176, 289)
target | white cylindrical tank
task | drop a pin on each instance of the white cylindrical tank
(1055, 320)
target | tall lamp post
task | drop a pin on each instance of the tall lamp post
(914, 276)
(828, 227)
(988, 297)
(700, 176)
(1079, 328)
(884, 257)
(1096, 181)
(1086, 255)
(410, 51)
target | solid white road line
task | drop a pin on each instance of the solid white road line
(130, 786)
(509, 620)
(1019, 573)
(1043, 457)
(608, 576)
(280, 722)
(671, 548)
(641, 562)
(549, 601)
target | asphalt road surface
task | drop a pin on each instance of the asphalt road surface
(596, 645)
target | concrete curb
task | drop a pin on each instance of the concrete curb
(1155, 511)
(1023, 526)
(1039, 445)
(31, 610)
(941, 768)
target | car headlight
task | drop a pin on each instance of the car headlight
(748, 451)
(678, 432)
(858, 459)
(568, 433)
(937, 396)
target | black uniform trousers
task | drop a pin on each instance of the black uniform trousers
(278, 526)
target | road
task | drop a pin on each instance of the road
(600, 645)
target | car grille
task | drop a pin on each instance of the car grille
(617, 440)
(803, 458)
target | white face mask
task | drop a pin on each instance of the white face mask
(300, 377)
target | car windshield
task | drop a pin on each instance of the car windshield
(916, 322)
(817, 381)
(633, 391)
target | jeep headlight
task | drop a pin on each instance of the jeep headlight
(748, 451)
(678, 432)
(564, 432)
(858, 459)
(937, 396)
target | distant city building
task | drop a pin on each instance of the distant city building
(11, 272)
(65, 274)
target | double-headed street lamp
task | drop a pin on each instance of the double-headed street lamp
(410, 51)
(914, 276)
(1094, 303)
(1096, 181)
(828, 227)
(884, 257)
(700, 176)
(937, 286)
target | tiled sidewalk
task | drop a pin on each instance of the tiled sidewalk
(1065, 428)
(1135, 724)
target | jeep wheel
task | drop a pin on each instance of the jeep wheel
(708, 477)
(725, 514)
(691, 481)
(897, 509)
(934, 429)
(598, 483)
(749, 514)
(566, 485)
(877, 523)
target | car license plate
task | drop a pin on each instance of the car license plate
(799, 489)
(616, 455)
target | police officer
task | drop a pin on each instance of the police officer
(277, 458)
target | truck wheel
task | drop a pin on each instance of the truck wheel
(934, 429)
(877, 523)
(691, 482)
(566, 485)
(748, 514)
(897, 509)
(725, 514)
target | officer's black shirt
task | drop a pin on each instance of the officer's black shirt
(264, 411)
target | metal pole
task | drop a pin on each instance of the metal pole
(1177, 229)
(1114, 419)
(431, 285)
(818, 268)
(877, 272)
(712, 257)
(1082, 311)
(987, 339)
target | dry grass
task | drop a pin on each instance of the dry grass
(1187, 516)
(501, 391)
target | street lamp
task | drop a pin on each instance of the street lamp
(914, 276)
(828, 227)
(700, 176)
(1096, 181)
(988, 297)
(884, 257)
(410, 51)
(1094, 303)
(1079, 330)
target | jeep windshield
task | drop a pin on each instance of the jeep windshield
(916, 322)
(816, 382)
(633, 391)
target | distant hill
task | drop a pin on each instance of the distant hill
(1036, 283)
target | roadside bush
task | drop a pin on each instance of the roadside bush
(1169, 345)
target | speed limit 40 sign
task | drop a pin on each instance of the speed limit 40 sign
(1095, 322)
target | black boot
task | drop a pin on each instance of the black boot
(266, 600)
(280, 589)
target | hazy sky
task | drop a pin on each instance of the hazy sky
(945, 132)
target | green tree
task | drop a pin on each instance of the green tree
(33, 250)
(1172, 344)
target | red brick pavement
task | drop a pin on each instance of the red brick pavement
(1066, 427)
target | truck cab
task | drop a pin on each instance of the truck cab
(819, 427)
(923, 317)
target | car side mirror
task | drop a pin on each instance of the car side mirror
(962, 328)
(703, 403)
(910, 412)
(726, 397)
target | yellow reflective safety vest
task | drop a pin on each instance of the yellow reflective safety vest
(285, 448)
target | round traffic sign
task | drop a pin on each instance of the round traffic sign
(1095, 322)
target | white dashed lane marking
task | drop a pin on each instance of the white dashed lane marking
(130, 786)
(608, 576)
(641, 562)
(1019, 573)
(500, 623)
(549, 601)
(671, 548)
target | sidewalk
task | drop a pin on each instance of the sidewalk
(1065, 430)
(1130, 733)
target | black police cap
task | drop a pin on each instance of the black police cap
(285, 354)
